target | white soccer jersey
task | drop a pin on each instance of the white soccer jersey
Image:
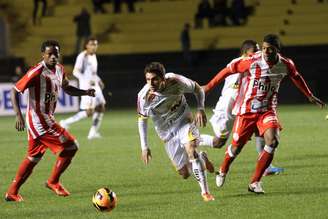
(85, 69)
(169, 107)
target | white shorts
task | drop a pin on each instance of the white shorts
(175, 147)
(88, 102)
(222, 119)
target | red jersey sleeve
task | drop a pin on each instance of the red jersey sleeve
(28, 79)
(297, 79)
(239, 66)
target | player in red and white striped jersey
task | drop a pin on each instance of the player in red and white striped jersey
(256, 104)
(43, 82)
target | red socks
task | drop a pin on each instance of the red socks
(226, 163)
(263, 162)
(24, 171)
(60, 166)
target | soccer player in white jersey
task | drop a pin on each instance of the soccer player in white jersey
(163, 100)
(223, 118)
(85, 70)
(43, 82)
(256, 105)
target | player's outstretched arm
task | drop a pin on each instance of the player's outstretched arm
(73, 91)
(300, 83)
(20, 123)
(218, 78)
(200, 117)
(143, 131)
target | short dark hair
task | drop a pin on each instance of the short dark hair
(273, 39)
(88, 40)
(248, 44)
(155, 68)
(49, 43)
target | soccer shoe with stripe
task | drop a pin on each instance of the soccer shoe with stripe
(272, 170)
(207, 197)
(256, 187)
(219, 179)
(13, 198)
(208, 164)
(94, 136)
(57, 188)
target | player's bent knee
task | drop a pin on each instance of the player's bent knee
(89, 112)
(184, 174)
(219, 142)
(70, 151)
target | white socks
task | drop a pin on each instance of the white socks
(77, 117)
(206, 140)
(96, 122)
(200, 174)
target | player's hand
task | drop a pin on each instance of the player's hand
(317, 101)
(20, 123)
(91, 92)
(146, 156)
(200, 118)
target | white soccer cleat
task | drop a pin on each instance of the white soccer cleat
(327, 117)
(256, 187)
(94, 136)
(219, 179)
(63, 124)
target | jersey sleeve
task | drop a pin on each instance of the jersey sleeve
(234, 67)
(297, 78)
(27, 80)
(78, 66)
(141, 104)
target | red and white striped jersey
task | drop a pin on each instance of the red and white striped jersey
(258, 91)
(43, 86)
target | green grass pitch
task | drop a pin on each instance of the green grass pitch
(156, 191)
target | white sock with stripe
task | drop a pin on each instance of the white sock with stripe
(200, 174)
(77, 117)
(206, 140)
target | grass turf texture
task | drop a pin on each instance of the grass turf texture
(156, 191)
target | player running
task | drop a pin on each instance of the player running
(223, 118)
(43, 82)
(256, 104)
(162, 99)
(85, 70)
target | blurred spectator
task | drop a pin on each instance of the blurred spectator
(35, 10)
(18, 74)
(98, 6)
(220, 10)
(186, 43)
(238, 12)
(83, 28)
(130, 4)
(204, 11)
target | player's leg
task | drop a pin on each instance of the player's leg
(85, 111)
(242, 131)
(222, 122)
(98, 114)
(66, 146)
(260, 143)
(269, 125)
(34, 155)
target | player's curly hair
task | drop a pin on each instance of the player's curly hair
(156, 68)
(49, 43)
(248, 44)
(273, 39)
